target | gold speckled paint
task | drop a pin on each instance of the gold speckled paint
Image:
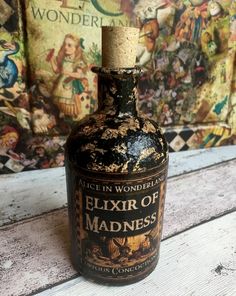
(117, 161)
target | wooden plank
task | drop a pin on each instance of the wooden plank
(199, 196)
(37, 248)
(32, 193)
(201, 261)
(34, 254)
(188, 161)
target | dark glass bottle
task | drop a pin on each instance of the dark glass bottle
(116, 169)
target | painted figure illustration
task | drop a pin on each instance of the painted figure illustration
(186, 48)
(71, 67)
(8, 69)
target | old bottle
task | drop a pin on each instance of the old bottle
(116, 169)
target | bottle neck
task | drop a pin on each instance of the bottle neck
(117, 91)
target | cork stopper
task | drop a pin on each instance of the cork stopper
(119, 47)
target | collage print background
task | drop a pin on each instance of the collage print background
(47, 49)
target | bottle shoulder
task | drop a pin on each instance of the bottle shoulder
(111, 144)
(108, 126)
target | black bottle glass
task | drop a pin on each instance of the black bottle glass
(116, 169)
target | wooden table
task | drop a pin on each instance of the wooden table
(198, 251)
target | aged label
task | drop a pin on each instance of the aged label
(119, 223)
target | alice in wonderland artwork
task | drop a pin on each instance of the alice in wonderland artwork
(186, 48)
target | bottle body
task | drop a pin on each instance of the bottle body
(116, 167)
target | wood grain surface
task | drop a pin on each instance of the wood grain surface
(198, 262)
(35, 251)
(32, 193)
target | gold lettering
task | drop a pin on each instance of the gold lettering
(128, 225)
(115, 204)
(92, 225)
(96, 204)
(113, 228)
(131, 205)
(153, 217)
(96, 225)
(146, 201)
(146, 221)
(155, 196)
(139, 224)
(89, 203)
(103, 226)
